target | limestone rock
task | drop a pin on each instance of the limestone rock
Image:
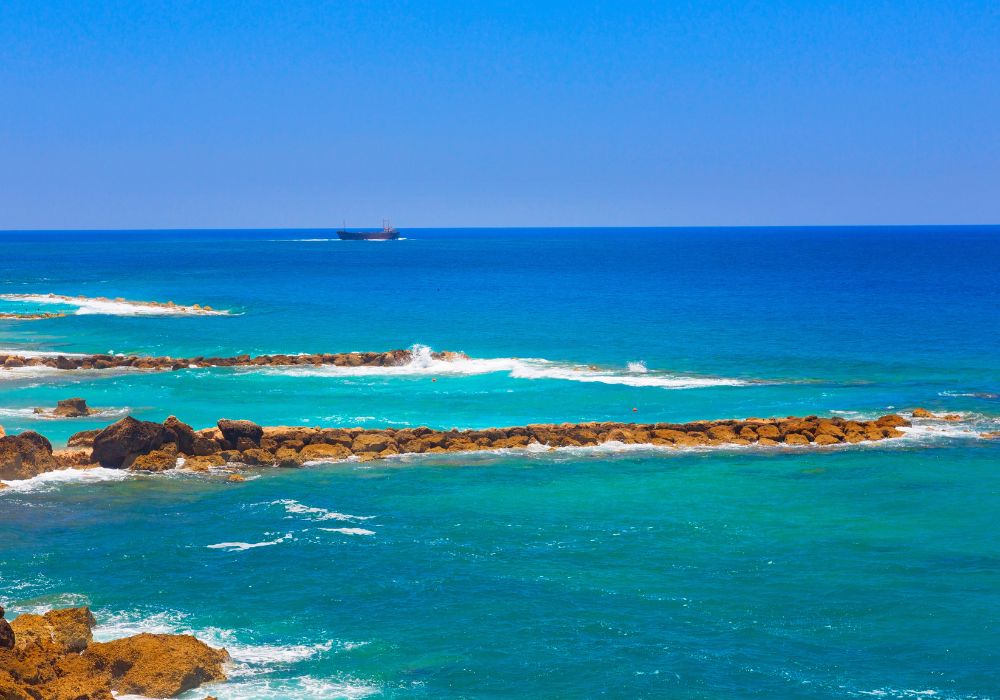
(233, 430)
(118, 444)
(84, 438)
(155, 461)
(72, 408)
(183, 433)
(25, 455)
(324, 451)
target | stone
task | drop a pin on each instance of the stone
(84, 438)
(204, 446)
(72, 408)
(25, 455)
(203, 463)
(233, 430)
(183, 433)
(158, 665)
(155, 461)
(6, 633)
(236, 478)
(322, 451)
(922, 413)
(257, 457)
(892, 421)
(824, 439)
(796, 439)
(371, 442)
(117, 445)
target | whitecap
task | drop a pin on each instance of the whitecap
(293, 507)
(243, 546)
(51, 480)
(423, 363)
(107, 307)
(348, 530)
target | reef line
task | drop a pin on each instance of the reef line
(391, 358)
(149, 446)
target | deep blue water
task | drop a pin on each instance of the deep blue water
(863, 571)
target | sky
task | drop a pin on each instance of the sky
(258, 114)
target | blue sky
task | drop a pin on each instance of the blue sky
(300, 114)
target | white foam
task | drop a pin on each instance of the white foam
(90, 306)
(301, 688)
(243, 546)
(29, 414)
(348, 530)
(293, 507)
(424, 364)
(39, 353)
(51, 480)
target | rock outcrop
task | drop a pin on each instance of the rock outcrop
(391, 358)
(120, 443)
(152, 447)
(53, 657)
(25, 455)
(72, 408)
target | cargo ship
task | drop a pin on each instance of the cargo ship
(388, 233)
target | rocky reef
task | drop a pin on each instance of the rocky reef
(164, 307)
(154, 447)
(391, 358)
(53, 657)
(11, 316)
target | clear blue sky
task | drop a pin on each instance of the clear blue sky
(258, 114)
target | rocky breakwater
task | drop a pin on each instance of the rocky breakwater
(392, 358)
(53, 657)
(149, 446)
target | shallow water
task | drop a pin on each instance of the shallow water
(863, 571)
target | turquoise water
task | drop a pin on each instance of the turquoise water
(869, 571)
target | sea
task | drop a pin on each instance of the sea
(622, 571)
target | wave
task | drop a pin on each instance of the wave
(243, 546)
(252, 663)
(29, 414)
(51, 480)
(293, 507)
(348, 530)
(115, 307)
(423, 363)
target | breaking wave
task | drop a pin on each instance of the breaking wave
(423, 363)
(52, 480)
(114, 307)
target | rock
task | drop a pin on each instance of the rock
(183, 433)
(155, 461)
(2, 431)
(158, 665)
(204, 446)
(288, 458)
(371, 442)
(71, 457)
(118, 444)
(922, 413)
(951, 417)
(203, 463)
(796, 439)
(892, 421)
(84, 438)
(233, 430)
(257, 457)
(824, 439)
(25, 455)
(236, 478)
(321, 451)
(72, 408)
(6, 633)
(992, 435)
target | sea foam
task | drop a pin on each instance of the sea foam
(91, 306)
(423, 363)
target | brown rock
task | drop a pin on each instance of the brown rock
(371, 442)
(257, 457)
(922, 413)
(768, 430)
(796, 439)
(71, 408)
(824, 439)
(25, 455)
(183, 434)
(288, 458)
(204, 446)
(233, 430)
(951, 417)
(158, 665)
(84, 438)
(324, 451)
(118, 444)
(892, 421)
(6, 633)
(155, 461)
(236, 478)
(992, 435)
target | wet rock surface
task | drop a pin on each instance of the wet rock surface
(53, 657)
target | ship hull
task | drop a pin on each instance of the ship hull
(368, 235)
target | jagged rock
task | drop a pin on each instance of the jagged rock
(155, 461)
(233, 430)
(25, 455)
(85, 438)
(6, 633)
(324, 451)
(158, 665)
(203, 463)
(371, 442)
(922, 413)
(118, 444)
(257, 457)
(183, 433)
(72, 408)
(893, 421)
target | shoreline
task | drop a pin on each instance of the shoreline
(107, 305)
(147, 446)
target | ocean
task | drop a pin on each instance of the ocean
(618, 571)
